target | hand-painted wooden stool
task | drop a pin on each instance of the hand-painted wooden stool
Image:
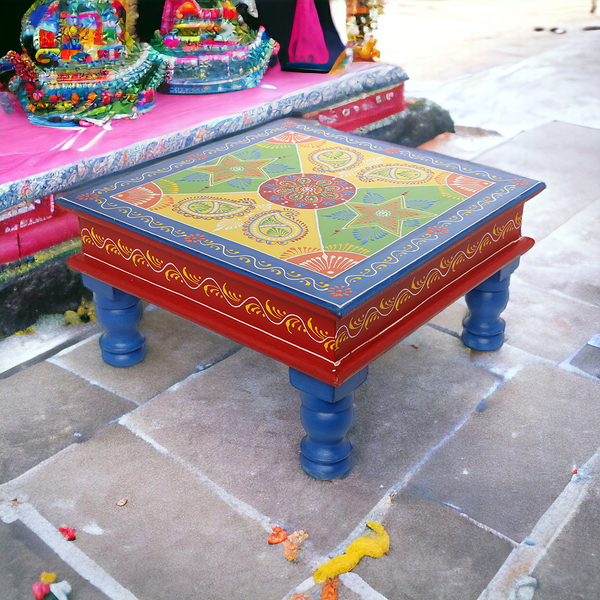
(316, 248)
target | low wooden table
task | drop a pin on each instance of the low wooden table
(317, 248)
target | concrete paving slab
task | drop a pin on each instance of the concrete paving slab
(25, 557)
(513, 580)
(523, 93)
(570, 171)
(176, 347)
(506, 361)
(547, 324)
(570, 567)
(588, 360)
(50, 336)
(480, 36)
(45, 409)
(434, 553)
(507, 464)
(568, 260)
(173, 538)
(544, 324)
(239, 424)
(465, 142)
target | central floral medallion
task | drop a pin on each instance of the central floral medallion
(307, 191)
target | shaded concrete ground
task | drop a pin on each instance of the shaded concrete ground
(467, 458)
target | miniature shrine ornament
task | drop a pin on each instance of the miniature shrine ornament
(209, 48)
(80, 63)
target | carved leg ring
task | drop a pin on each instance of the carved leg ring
(119, 314)
(327, 414)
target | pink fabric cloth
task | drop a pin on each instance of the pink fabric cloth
(307, 43)
(27, 149)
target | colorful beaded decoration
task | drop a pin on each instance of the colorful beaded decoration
(81, 64)
(209, 48)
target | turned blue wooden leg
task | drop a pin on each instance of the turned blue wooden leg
(327, 415)
(483, 327)
(119, 314)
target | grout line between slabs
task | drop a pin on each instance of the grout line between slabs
(68, 552)
(378, 512)
(524, 560)
(353, 582)
(53, 361)
(239, 506)
(359, 586)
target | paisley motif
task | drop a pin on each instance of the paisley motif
(402, 173)
(211, 207)
(275, 227)
(307, 190)
(332, 160)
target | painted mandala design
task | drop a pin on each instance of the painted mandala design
(307, 191)
(209, 207)
(335, 159)
(275, 227)
(403, 173)
(300, 204)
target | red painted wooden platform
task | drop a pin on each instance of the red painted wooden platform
(254, 291)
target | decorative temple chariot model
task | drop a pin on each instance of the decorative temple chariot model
(81, 63)
(209, 48)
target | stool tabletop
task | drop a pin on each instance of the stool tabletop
(325, 216)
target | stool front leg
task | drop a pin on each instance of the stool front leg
(327, 415)
(483, 327)
(122, 344)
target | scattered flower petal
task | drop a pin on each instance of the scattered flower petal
(279, 535)
(330, 589)
(292, 544)
(68, 532)
(40, 589)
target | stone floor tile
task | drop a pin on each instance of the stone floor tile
(570, 171)
(507, 464)
(44, 409)
(451, 317)
(175, 348)
(49, 337)
(173, 539)
(567, 262)
(239, 423)
(588, 360)
(24, 557)
(541, 323)
(516, 96)
(465, 142)
(434, 553)
(506, 361)
(547, 324)
(570, 567)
